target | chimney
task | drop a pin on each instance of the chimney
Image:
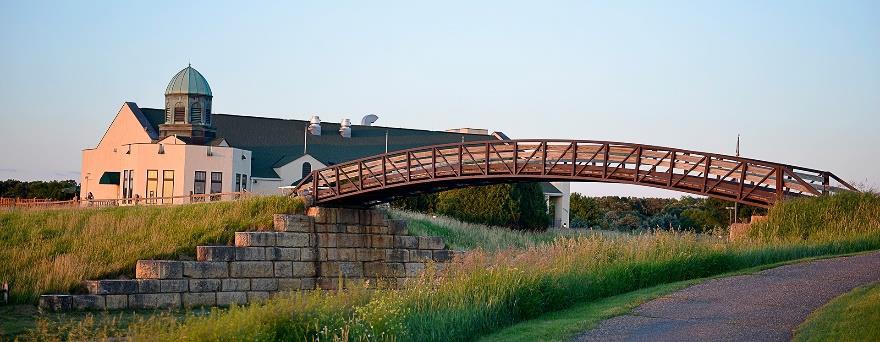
(345, 128)
(315, 125)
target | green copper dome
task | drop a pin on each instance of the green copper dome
(188, 81)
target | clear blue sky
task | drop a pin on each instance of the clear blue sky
(800, 80)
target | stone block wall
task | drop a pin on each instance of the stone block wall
(323, 249)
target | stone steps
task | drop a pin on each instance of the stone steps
(304, 252)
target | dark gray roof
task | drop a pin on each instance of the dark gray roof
(276, 142)
(549, 189)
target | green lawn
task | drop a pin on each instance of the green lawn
(853, 316)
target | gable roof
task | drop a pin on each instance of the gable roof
(276, 142)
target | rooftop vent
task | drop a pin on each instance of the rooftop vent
(315, 125)
(345, 128)
(369, 119)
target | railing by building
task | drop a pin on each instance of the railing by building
(18, 203)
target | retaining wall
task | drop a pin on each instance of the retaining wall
(323, 249)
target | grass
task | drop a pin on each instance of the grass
(853, 316)
(44, 251)
(487, 290)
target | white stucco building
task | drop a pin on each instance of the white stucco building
(185, 148)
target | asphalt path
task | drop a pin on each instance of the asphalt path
(764, 306)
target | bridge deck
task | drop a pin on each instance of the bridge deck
(433, 168)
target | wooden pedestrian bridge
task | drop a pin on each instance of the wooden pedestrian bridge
(384, 177)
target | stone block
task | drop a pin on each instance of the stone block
(378, 218)
(354, 229)
(191, 300)
(205, 269)
(383, 270)
(250, 253)
(87, 302)
(381, 241)
(307, 283)
(283, 269)
(413, 269)
(116, 302)
(148, 285)
(204, 285)
(282, 253)
(293, 223)
(378, 230)
(303, 269)
(254, 239)
(154, 301)
(344, 268)
(251, 269)
(264, 284)
(322, 215)
(257, 296)
(351, 240)
(122, 286)
(419, 255)
(173, 285)
(407, 242)
(324, 228)
(348, 216)
(326, 240)
(396, 255)
(431, 242)
(289, 284)
(229, 298)
(308, 254)
(215, 253)
(398, 227)
(159, 269)
(292, 239)
(342, 254)
(233, 284)
(370, 254)
(443, 255)
(55, 302)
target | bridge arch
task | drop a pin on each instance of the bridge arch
(383, 177)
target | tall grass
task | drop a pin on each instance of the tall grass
(485, 291)
(54, 250)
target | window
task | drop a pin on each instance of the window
(195, 113)
(244, 182)
(208, 114)
(126, 184)
(152, 185)
(179, 113)
(167, 186)
(237, 182)
(199, 183)
(216, 184)
(167, 114)
(307, 169)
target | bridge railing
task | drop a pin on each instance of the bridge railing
(744, 180)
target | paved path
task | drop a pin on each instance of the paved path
(765, 306)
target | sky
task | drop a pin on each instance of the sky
(799, 80)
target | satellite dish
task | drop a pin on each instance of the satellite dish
(369, 119)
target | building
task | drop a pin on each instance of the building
(185, 148)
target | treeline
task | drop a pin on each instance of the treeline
(632, 213)
(518, 206)
(56, 190)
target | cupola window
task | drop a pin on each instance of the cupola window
(179, 113)
(195, 113)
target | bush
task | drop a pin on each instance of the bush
(519, 206)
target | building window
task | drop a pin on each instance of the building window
(307, 169)
(127, 182)
(195, 113)
(167, 114)
(237, 182)
(216, 184)
(244, 182)
(167, 186)
(152, 185)
(179, 113)
(199, 183)
(208, 114)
